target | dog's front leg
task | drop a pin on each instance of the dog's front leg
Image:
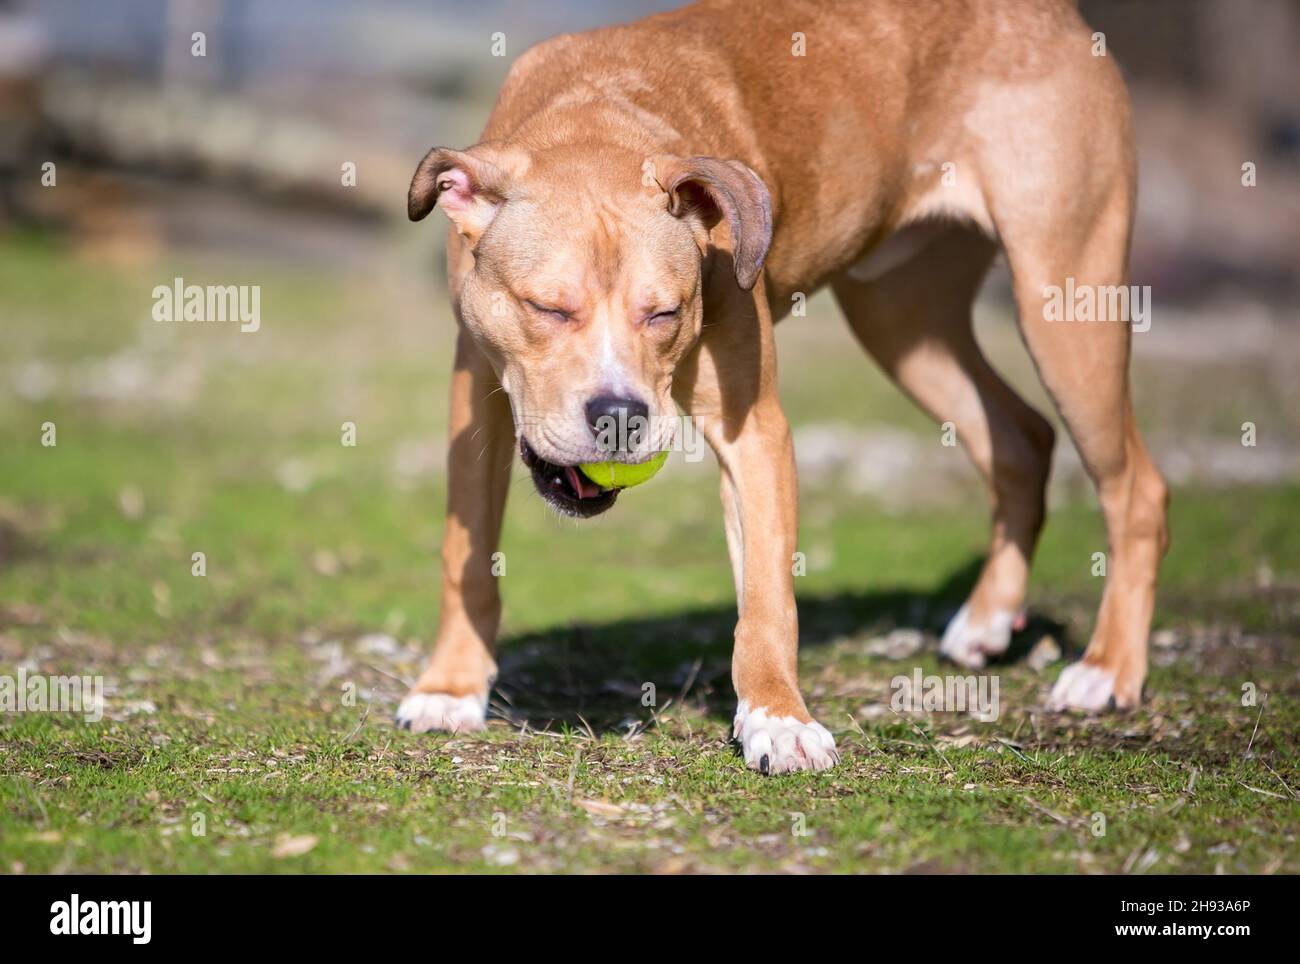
(452, 692)
(730, 389)
(772, 723)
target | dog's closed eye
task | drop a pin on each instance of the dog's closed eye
(665, 315)
(558, 313)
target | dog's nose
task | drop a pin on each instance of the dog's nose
(618, 423)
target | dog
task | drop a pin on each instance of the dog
(648, 200)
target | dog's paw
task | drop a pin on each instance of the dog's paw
(421, 712)
(1082, 686)
(969, 643)
(781, 744)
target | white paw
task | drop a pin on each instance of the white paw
(969, 644)
(781, 744)
(1082, 686)
(420, 712)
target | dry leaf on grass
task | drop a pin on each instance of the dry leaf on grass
(600, 808)
(290, 846)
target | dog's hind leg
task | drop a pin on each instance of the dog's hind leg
(1084, 365)
(452, 692)
(915, 320)
(1062, 202)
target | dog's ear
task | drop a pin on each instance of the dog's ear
(715, 190)
(468, 185)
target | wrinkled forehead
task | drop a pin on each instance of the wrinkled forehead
(583, 246)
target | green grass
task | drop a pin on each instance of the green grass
(227, 693)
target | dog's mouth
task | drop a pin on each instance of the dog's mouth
(564, 487)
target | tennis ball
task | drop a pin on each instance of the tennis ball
(620, 475)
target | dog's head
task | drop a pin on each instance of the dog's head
(586, 288)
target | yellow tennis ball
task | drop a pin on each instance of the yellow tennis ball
(620, 475)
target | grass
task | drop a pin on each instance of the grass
(254, 703)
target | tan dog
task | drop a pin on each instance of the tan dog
(611, 259)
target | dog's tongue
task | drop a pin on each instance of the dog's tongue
(582, 485)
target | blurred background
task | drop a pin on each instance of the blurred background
(237, 150)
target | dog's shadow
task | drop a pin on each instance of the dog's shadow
(613, 676)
